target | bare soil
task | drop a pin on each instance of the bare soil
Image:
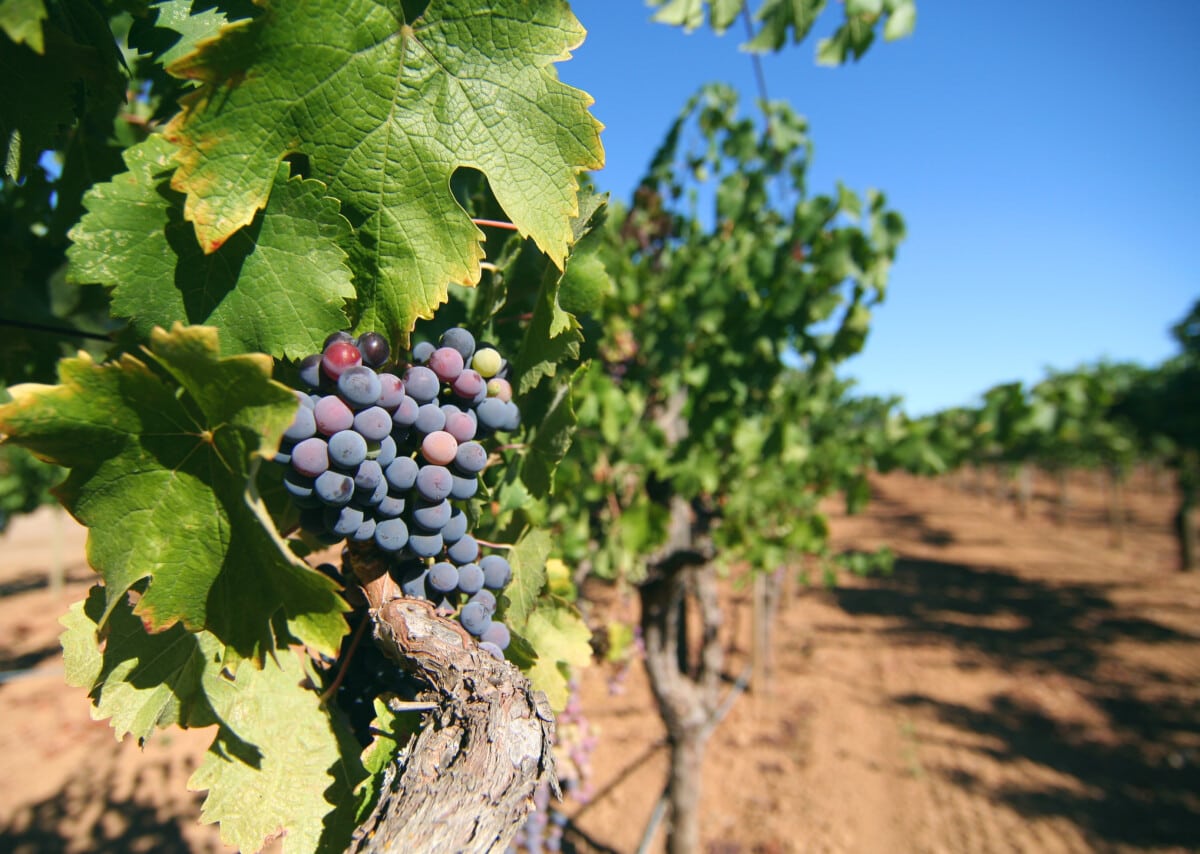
(1014, 685)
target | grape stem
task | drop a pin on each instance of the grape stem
(493, 545)
(494, 223)
(345, 662)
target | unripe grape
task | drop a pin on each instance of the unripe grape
(487, 362)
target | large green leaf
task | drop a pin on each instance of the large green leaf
(280, 762)
(278, 286)
(70, 68)
(385, 110)
(140, 680)
(21, 21)
(162, 455)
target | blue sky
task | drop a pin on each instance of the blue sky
(1046, 157)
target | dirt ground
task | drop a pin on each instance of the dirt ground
(1014, 685)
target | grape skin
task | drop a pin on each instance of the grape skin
(359, 386)
(464, 551)
(497, 572)
(347, 449)
(334, 488)
(493, 650)
(339, 356)
(470, 578)
(440, 448)
(447, 363)
(443, 577)
(460, 339)
(311, 457)
(475, 618)
(498, 634)
(332, 415)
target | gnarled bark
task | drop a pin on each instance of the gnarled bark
(687, 693)
(465, 782)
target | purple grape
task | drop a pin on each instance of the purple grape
(512, 417)
(405, 415)
(297, 485)
(431, 516)
(343, 521)
(446, 362)
(470, 458)
(460, 339)
(414, 586)
(497, 572)
(422, 351)
(365, 532)
(310, 371)
(390, 507)
(303, 425)
(391, 391)
(475, 618)
(421, 384)
(311, 457)
(464, 550)
(456, 527)
(340, 335)
(493, 650)
(372, 496)
(463, 487)
(359, 386)
(391, 535)
(443, 577)
(430, 418)
(470, 578)
(334, 488)
(498, 634)
(469, 385)
(387, 452)
(424, 545)
(332, 415)
(402, 474)
(374, 423)
(347, 449)
(368, 476)
(374, 349)
(434, 482)
(459, 424)
(492, 414)
(486, 598)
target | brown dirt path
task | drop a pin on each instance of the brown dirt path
(1012, 686)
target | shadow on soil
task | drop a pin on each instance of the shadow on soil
(87, 815)
(1138, 786)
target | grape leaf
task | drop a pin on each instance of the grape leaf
(280, 762)
(385, 110)
(177, 16)
(562, 640)
(277, 286)
(528, 561)
(140, 680)
(162, 455)
(74, 71)
(21, 21)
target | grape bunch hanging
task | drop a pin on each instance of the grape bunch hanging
(378, 457)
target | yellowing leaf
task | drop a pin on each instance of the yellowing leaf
(386, 109)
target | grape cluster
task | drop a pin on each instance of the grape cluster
(378, 457)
